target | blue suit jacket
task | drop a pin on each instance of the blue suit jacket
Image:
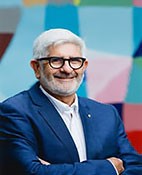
(30, 127)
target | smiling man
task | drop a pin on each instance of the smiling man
(50, 130)
(61, 71)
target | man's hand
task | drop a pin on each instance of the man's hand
(43, 162)
(118, 163)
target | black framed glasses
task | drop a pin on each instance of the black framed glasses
(58, 62)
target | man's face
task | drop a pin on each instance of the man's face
(65, 80)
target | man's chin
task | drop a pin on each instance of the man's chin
(64, 92)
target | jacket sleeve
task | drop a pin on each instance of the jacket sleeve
(18, 150)
(131, 159)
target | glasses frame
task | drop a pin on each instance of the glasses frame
(63, 61)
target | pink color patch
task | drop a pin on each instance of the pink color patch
(132, 117)
(107, 77)
(137, 3)
(115, 90)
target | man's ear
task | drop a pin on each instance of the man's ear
(36, 67)
(85, 64)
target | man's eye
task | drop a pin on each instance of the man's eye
(56, 60)
(76, 60)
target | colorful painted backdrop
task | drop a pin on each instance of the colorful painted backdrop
(113, 34)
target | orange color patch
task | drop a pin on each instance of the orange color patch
(34, 2)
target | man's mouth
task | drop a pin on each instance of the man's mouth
(67, 77)
(64, 76)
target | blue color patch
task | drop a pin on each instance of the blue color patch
(107, 29)
(134, 94)
(11, 3)
(137, 25)
(63, 16)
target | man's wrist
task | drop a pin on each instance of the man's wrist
(114, 167)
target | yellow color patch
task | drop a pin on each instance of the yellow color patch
(76, 2)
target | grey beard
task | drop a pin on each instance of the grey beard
(51, 86)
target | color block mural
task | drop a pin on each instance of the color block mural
(113, 34)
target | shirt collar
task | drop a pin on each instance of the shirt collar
(60, 106)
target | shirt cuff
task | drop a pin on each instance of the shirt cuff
(114, 167)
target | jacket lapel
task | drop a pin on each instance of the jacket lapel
(93, 144)
(54, 120)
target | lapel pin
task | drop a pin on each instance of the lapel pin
(89, 115)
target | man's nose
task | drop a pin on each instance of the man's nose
(66, 67)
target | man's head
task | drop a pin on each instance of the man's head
(58, 61)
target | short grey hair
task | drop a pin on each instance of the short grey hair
(55, 37)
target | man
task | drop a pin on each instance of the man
(49, 130)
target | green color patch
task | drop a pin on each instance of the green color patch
(138, 62)
(107, 2)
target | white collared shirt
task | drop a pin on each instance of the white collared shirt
(67, 112)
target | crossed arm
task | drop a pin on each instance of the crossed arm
(118, 164)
